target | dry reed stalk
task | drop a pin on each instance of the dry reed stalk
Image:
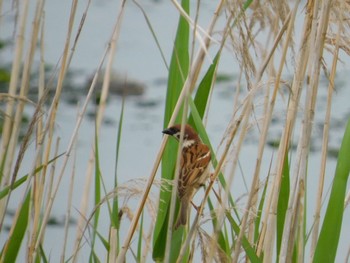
(24, 83)
(289, 24)
(42, 132)
(222, 208)
(37, 189)
(190, 82)
(37, 197)
(269, 107)
(114, 244)
(81, 221)
(41, 136)
(15, 72)
(40, 129)
(325, 138)
(229, 180)
(147, 245)
(69, 206)
(8, 97)
(22, 150)
(109, 67)
(8, 121)
(64, 66)
(300, 224)
(297, 228)
(254, 205)
(39, 180)
(105, 89)
(50, 184)
(300, 170)
(269, 222)
(41, 84)
(255, 196)
(50, 128)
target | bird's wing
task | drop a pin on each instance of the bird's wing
(194, 162)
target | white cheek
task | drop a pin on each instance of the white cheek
(177, 135)
(188, 143)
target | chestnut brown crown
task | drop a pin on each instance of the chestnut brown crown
(189, 133)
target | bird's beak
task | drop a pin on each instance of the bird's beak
(168, 131)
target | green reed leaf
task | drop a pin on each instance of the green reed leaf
(326, 249)
(178, 72)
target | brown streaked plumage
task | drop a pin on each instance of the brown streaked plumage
(194, 164)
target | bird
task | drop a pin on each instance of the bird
(194, 168)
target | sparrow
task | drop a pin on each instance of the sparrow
(194, 171)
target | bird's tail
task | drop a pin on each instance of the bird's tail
(182, 218)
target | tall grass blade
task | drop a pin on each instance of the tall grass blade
(20, 181)
(42, 255)
(139, 244)
(283, 202)
(178, 72)
(11, 249)
(326, 249)
(257, 221)
(117, 154)
(97, 197)
(114, 215)
(103, 241)
(204, 88)
(245, 243)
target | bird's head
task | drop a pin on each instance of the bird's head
(190, 135)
